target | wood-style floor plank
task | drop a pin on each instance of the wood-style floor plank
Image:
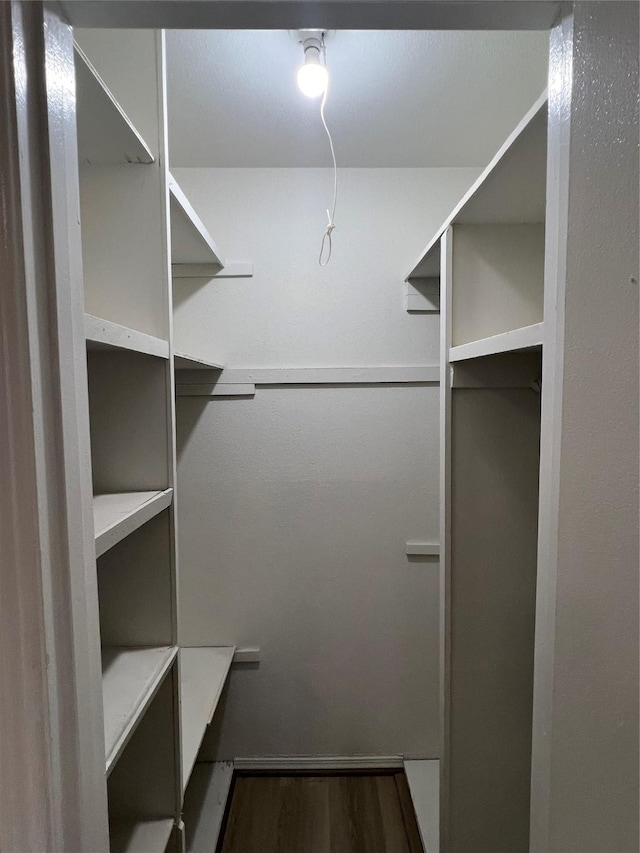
(320, 814)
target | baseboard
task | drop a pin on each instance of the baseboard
(277, 763)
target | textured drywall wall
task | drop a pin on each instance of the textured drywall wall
(295, 506)
(585, 735)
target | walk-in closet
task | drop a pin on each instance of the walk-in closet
(320, 348)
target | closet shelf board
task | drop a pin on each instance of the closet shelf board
(191, 243)
(103, 334)
(116, 515)
(205, 803)
(131, 678)
(529, 337)
(423, 778)
(144, 836)
(182, 361)
(203, 672)
(105, 133)
(511, 190)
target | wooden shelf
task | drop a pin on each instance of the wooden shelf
(182, 361)
(116, 515)
(191, 243)
(144, 836)
(423, 778)
(203, 672)
(130, 680)
(103, 334)
(511, 190)
(529, 337)
(105, 133)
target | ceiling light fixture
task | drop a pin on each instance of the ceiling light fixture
(313, 76)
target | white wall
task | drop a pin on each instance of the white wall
(585, 722)
(295, 506)
(293, 313)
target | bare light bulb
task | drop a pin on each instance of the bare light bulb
(312, 79)
(313, 76)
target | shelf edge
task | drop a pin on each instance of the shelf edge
(131, 522)
(517, 340)
(113, 336)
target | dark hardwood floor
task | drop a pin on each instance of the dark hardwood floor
(321, 814)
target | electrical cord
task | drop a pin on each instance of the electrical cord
(326, 237)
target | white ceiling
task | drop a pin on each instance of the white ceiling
(395, 99)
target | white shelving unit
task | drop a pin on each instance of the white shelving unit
(156, 710)
(105, 133)
(189, 362)
(511, 190)
(103, 334)
(203, 673)
(129, 359)
(191, 243)
(130, 680)
(118, 515)
(488, 259)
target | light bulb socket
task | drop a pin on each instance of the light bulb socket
(313, 48)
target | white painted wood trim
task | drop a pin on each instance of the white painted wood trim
(558, 222)
(131, 677)
(518, 339)
(182, 361)
(423, 549)
(539, 104)
(186, 226)
(331, 375)
(218, 390)
(101, 334)
(423, 778)
(144, 836)
(51, 731)
(203, 673)
(106, 134)
(446, 281)
(232, 269)
(319, 762)
(249, 654)
(165, 198)
(216, 782)
(117, 515)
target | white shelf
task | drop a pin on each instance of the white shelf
(203, 672)
(205, 804)
(144, 836)
(191, 243)
(103, 334)
(423, 778)
(116, 515)
(105, 133)
(517, 340)
(511, 190)
(182, 361)
(130, 680)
